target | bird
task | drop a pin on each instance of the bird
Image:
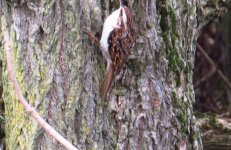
(117, 39)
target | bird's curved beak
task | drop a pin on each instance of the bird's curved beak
(121, 3)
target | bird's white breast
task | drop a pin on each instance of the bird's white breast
(109, 24)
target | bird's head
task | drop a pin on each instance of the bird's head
(123, 3)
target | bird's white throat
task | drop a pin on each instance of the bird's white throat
(110, 23)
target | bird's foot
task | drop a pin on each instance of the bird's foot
(91, 36)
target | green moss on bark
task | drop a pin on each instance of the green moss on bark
(168, 24)
(18, 125)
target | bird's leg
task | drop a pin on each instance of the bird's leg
(92, 37)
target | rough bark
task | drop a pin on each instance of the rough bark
(59, 71)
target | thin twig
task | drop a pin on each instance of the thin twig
(214, 65)
(31, 111)
(205, 77)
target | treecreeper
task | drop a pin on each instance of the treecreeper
(116, 42)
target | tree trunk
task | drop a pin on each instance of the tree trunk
(150, 103)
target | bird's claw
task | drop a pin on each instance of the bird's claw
(91, 35)
(86, 31)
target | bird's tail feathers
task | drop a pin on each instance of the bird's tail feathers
(107, 82)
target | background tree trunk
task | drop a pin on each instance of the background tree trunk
(60, 72)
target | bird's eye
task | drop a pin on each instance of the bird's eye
(124, 2)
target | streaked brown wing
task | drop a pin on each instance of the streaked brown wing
(120, 42)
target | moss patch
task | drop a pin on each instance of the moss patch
(168, 24)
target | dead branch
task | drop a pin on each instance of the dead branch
(31, 111)
(212, 63)
(205, 77)
(215, 132)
